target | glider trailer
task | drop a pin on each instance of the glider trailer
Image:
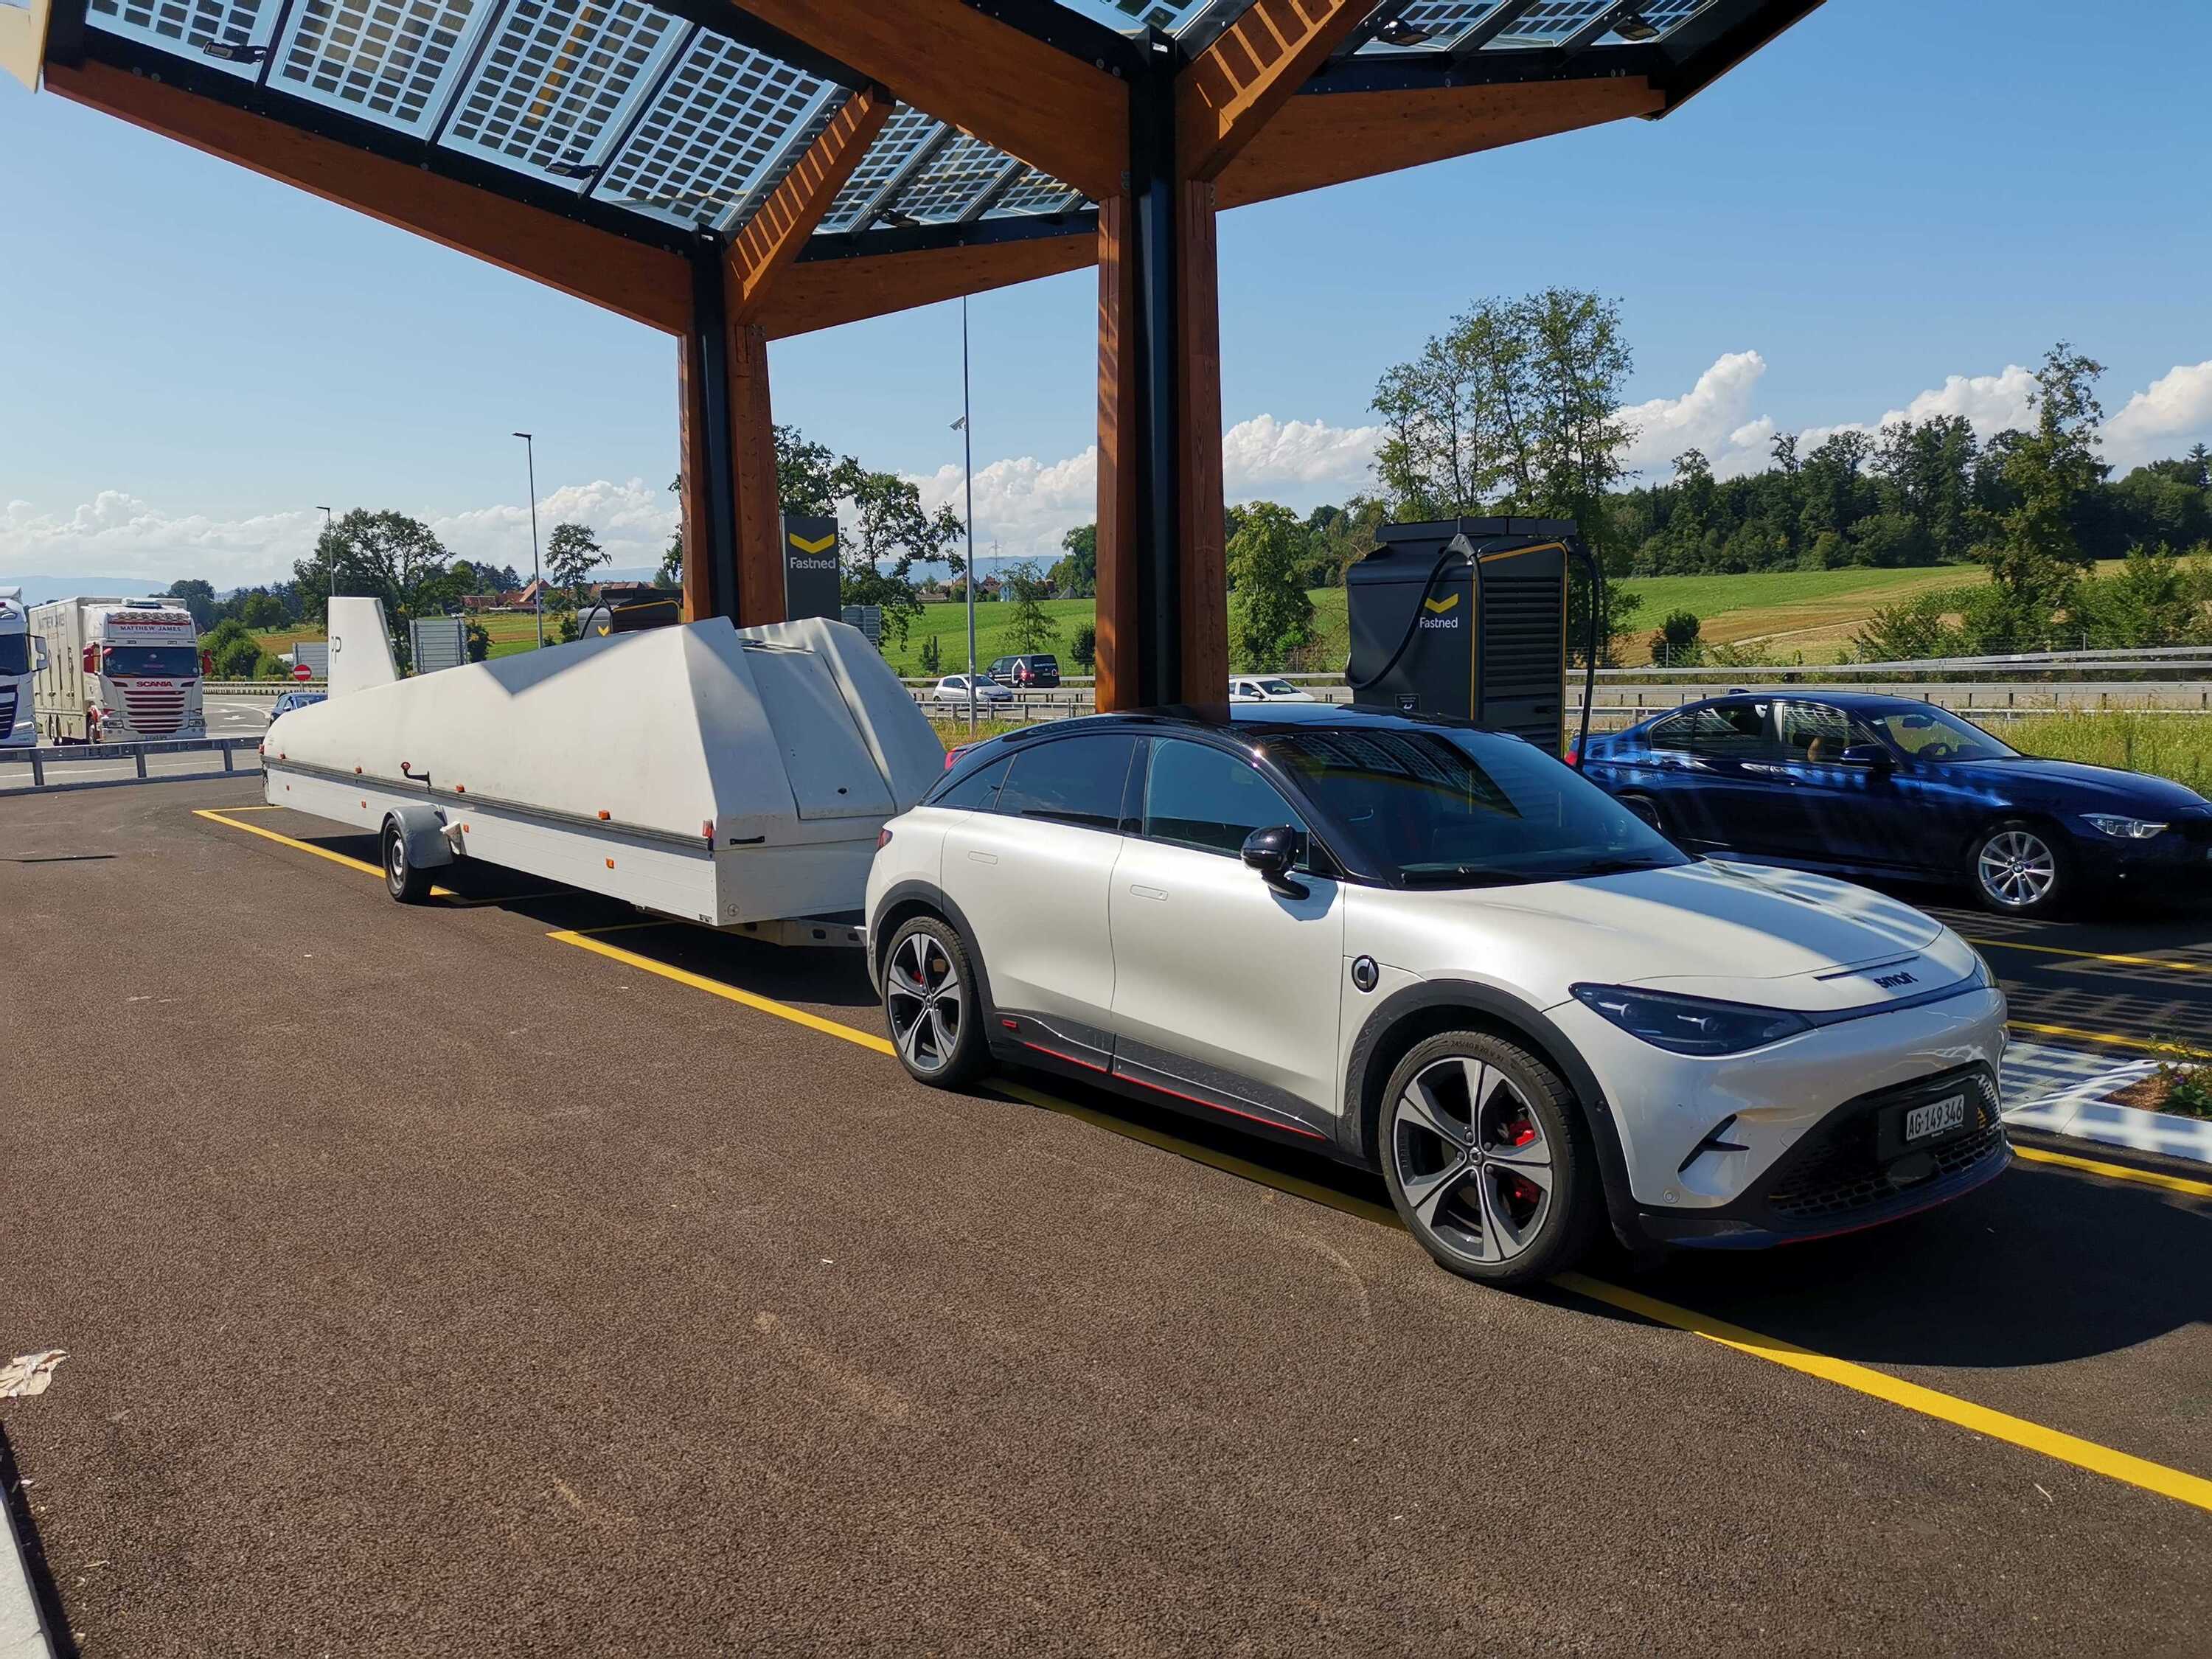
(736, 778)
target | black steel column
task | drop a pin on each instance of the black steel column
(1157, 312)
(710, 344)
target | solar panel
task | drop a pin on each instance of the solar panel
(945, 186)
(1036, 192)
(554, 77)
(388, 59)
(195, 24)
(1133, 16)
(898, 146)
(1548, 23)
(727, 118)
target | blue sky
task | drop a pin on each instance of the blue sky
(1894, 193)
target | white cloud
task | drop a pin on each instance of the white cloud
(1712, 415)
(2174, 412)
(1310, 458)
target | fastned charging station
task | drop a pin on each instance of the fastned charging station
(1467, 618)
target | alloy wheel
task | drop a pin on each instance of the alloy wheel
(2017, 869)
(925, 1001)
(1472, 1160)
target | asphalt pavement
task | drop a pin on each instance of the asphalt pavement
(455, 1280)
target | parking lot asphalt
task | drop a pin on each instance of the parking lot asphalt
(435, 1283)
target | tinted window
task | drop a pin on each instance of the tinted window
(1729, 731)
(1075, 780)
(1933, 734)
(1819, 732)
(1203, 798)
(978, 791)
(14, 653)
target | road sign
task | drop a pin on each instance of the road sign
(301, 672)
(438, 642)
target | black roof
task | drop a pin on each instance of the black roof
(1841, 696)
(1252, 720)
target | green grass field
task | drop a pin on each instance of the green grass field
(2176, 746)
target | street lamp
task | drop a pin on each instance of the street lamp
(536, 582)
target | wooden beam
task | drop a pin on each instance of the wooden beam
(1059, 113)
(1331, 138)
(1116, 620)
(772, 236)
(1202, 569)
(815, 293)
(760, 509)
(646, 284)
(1233, 88)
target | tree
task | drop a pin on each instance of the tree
(1083, 650)
(893, 532)
(2036, 557)
(1076, 574)
(932, 656)
(234, 652)
(1032, 628)
(385, 555)
(572, 553)
(479, 640)
(1675, 643)
(1270, 616)
(262, 609)
(199, 598)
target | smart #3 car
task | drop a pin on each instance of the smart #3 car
(1440, 952)
(1859, 784)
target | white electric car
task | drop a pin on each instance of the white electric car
(1439, 950)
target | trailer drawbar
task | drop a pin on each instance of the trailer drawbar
(1467, 617)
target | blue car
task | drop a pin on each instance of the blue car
(1863, 785)
(292, 700)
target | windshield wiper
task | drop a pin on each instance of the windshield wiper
(1618, 867)
(1463, 875)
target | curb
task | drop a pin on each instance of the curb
(23, 1632)
(2081, 1108)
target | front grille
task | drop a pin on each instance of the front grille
(2197, 832)
(1833, 1171)
(7, 711)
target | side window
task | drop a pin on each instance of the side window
(1201, 797)
(1072, 780)
(1819, 732)
(1725, 731)
(978, 791)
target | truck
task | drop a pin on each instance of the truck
(18, 729)
(116, 670)
(736, 778)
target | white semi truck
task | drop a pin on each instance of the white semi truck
(735, 777)
(118, 671)
(18, 729)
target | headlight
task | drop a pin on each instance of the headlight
(2122, 828)
(1689, 1026)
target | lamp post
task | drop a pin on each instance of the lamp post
(537, 580)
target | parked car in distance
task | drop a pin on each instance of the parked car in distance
(1267, 688)
(1483, 976)
(953, 689)
(1858, 783)
(1035, 671)
(292, 700)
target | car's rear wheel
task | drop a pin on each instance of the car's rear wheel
(1485, 1159)
(930, 1003)
(2019, 868)
(401, 878)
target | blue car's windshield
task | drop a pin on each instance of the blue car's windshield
(1452, 808)
(1935, 734)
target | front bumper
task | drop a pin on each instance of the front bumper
(2182, 855)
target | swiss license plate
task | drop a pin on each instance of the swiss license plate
(1937, 1117)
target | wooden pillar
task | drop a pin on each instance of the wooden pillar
(1204, 568)
(760, 521)
(1120, 635)
(709, 491)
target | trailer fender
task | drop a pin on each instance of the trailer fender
(424, 829)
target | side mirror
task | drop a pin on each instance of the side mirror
(89, 660)
(1272, 851)
(1867, 754)
(38, 653)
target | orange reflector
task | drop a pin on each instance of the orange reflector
(604, 815)
(611, 864)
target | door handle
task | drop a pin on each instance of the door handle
(1148, 892)
(983, 858)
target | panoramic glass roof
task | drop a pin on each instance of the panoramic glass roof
(644, 112)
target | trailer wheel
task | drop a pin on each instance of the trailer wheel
(401, 878)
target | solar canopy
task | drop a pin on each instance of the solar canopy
(662, 122)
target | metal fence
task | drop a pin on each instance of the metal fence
(39, 759)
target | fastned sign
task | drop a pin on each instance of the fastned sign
(810, 565)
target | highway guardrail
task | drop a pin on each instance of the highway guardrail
(40, 758)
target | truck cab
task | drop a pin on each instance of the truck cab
(19, 653)
(120, 670)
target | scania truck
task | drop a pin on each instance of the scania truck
(118, 671)
(17, 728)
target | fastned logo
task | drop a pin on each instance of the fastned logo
(1437, 607)
(822, 545)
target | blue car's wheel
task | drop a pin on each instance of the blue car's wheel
(2019, 869)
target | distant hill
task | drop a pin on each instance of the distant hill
(38, 590)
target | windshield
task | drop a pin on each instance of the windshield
(1279, 688)
(1935, 735)
(14, 653)
(1467, 809)
(152, 662)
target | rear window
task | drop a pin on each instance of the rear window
(1074, 780)
(1730, 730)
(976, 791)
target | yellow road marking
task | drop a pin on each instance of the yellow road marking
(2172, 1183)
(1997, 1425)
(306, 846)
(2176, 1484)
(2148, 1047)
(728, 992)
(2094, 956)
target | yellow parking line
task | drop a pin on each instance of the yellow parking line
(2079, 1035)
(1929, 1402)
(2120, 1466)
(2172, 1183)
(306, 846)
(2094, 956)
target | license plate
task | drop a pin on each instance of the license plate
(1937, 1117)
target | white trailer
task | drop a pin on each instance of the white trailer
(116, 670)
(734, 777)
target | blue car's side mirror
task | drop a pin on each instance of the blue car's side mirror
(1868, 754)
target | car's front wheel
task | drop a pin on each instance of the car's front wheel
(930, 1004)
(1486, 1160)
(2019, 868)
